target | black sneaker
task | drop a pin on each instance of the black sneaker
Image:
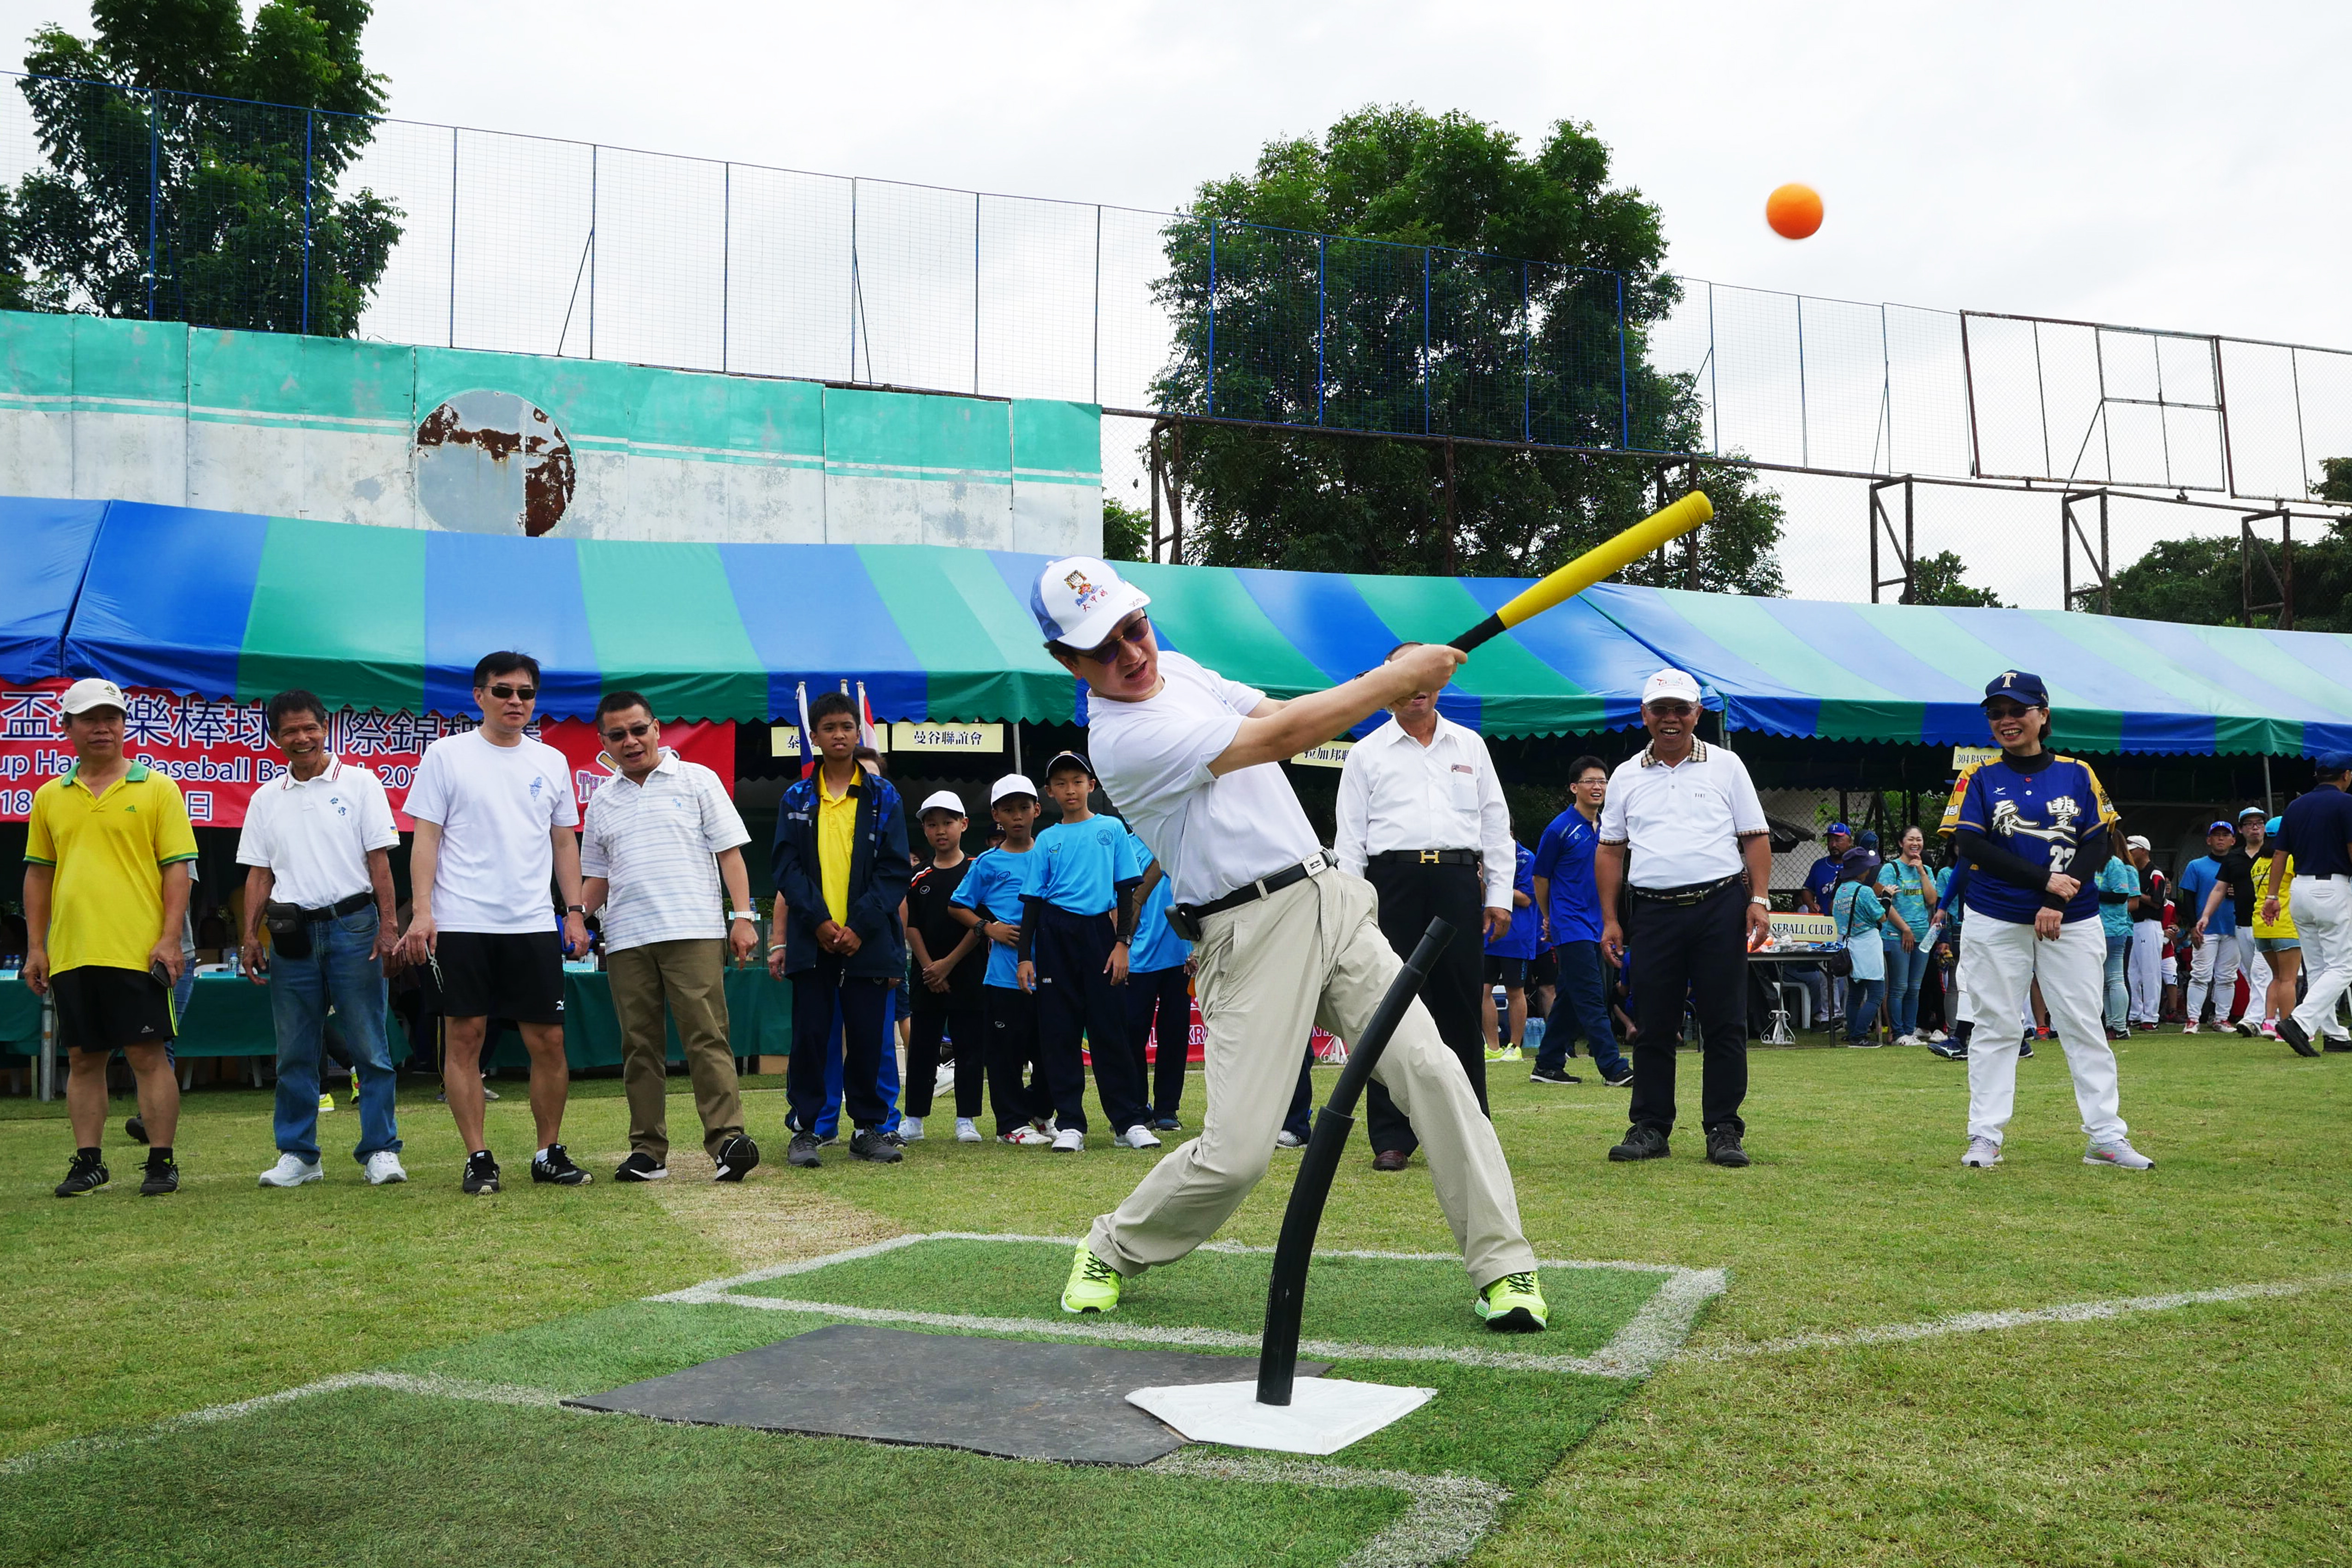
(737, 1156)
(2025, 1047)
(87, 1172)
(555, 1168)
(1167, 1124)
(874, 1144)
(802, 1152)
(641, 1167)
(1723, 1149)
(1552, 1075)
(1950, 1050)
(135, 1129)
(2329, 1042)
(1623, 1077)
(481, 1173)
(2295, 1035)
(1640, 1143)
(163, 1176)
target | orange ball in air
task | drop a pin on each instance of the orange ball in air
(1793, 211)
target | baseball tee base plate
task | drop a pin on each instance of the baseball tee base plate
(1324, 1415)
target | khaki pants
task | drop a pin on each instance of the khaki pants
(1268, 970)
(690, 977)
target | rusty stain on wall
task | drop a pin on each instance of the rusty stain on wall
(492, 462)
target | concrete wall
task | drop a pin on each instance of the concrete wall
(436, 438)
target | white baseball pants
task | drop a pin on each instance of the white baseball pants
(2004, 959)
(2323, 918)
(2212, 967)
(2145, 970)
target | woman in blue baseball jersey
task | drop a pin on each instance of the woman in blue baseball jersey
(2034, 829)
(1158, 993)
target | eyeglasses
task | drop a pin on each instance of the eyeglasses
(1670, 710)
(621, 732)
(2005, 710)
(507, 694)
(1104, 651)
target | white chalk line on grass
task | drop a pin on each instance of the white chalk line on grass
(2018, 1317)
(1446, 1517)
(1648, 1338)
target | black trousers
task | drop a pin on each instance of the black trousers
(1412, 895)
(1077, 1003)
(1159, 1010)
(1696, 953)
(1009, 1021)
(931, 1015)
(863, 1004)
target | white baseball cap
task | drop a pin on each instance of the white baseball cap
(942, 801)
(90, 693)
(1079, 600)
(1669, 682)
(1010, 784)
(2135, 842)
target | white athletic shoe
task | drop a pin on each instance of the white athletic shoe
(1286, 1139)
(967, 1131)
(2119, 1153)
(1906, 1039)
(1025, 1137)
(1936, 1037)
(1137, 1138)
(911, 1129)
(1983, 1155)
(1069, 1141)
(384, 1168)
(2188, 1029)
(2246, 1026)
(291, 1170)
(944, 1082)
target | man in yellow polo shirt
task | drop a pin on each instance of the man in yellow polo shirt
(106, 890)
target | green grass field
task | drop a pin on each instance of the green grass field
(1810, 1418)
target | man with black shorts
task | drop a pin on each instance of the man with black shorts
(106, 894)
(495, 821)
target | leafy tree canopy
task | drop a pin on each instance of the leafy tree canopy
(1935, 579)
(197, 167)
(1415, 273)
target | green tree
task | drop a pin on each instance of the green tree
(1411, 274)
(1127, 533)
(1935, 579)
(167, 137)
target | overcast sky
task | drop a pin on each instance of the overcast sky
(2156, 165)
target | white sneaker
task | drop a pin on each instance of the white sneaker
(1936, 1037)
(2119, 1153)
(1025, 1137)
(967, 1131)
(1286, 1139)
(1069, 1141)
(911, 1129)
(291, 1170)
(1983, 1155)
(1906, 1039)
(944, 1082)
(2188, 1029)
(383, 1168)
(1137, 1138)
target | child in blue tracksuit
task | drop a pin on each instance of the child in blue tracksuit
(1080, 915)
(989, 898)
(1159, 986)
(1508, 957)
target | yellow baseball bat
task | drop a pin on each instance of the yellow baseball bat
(1651, 533)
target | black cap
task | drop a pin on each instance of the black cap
(1079, 758)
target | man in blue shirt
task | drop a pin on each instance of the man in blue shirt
(1569, 905)
(989, 899)
(1821, 882)
(1159, 987)
(2214, 967)
(2313, 855)
(1507, 959)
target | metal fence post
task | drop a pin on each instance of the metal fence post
(309, 122)
(453, 237)
(154, 186)
(1425, 339)
(1322, 319)
(1213, 316)
(975, 294)
(726, 255)
(1624, 411)
(1526, 360)
(853, 278)
(1097, 310)
(595, 158)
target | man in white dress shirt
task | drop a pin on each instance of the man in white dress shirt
(1284, 939)
(1422, 818)
(1685, 814)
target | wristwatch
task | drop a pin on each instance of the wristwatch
(1759, 898)
(734, 915)
(580, 909)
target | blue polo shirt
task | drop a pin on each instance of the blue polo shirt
(1564, 858)
(2041, 817)
(1520, 941)
(1085, 861)
(994, 885)
(1156, 943)
(2197, 879)
(1821, 881)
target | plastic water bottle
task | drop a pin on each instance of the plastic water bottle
(1534, 1033)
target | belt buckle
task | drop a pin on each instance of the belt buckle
(1429, 857)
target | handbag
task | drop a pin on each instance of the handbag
(290, 928)
(1839, 965)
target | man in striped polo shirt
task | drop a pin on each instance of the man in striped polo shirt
(656, 842)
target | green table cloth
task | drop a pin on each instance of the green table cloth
(228, 1015)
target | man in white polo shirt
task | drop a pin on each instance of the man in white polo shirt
(656, 846)
(1685, 814)
(317, 847)
(1286, 939)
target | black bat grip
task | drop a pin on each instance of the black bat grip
(1485, 631)
(1286, 1294)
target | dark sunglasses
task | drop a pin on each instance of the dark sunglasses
(507, 694)
(619, 733)
(2005, 710)
(1104, 651)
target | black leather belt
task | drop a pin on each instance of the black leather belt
(350, 905)
(1425, 857)
(1694, 892)
(1191, 915)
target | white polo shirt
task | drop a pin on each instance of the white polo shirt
(1398, 794)
(653, 844)
(1213, 833)
(1682, 823)
(313, 835)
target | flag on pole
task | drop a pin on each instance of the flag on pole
(808, 741)
(865, 735)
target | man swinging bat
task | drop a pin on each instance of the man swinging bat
(1284, 938)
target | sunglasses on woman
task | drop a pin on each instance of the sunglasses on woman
(2005, 710)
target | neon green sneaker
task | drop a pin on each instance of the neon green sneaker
(1514, 1304)
(1510, 1053)
(1093, 1287)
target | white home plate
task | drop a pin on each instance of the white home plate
(1324, 1415)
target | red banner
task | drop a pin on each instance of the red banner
(220, 751)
